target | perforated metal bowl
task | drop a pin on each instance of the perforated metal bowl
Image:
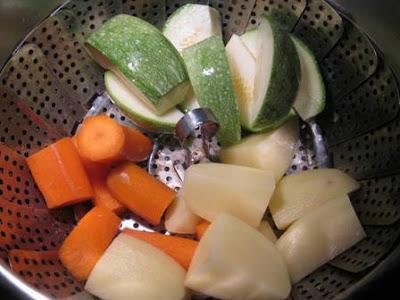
(50, 84)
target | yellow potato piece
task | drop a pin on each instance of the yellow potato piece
(319, 236)
(179, 218)
(298, 193)
(133, 269)
(266, 230)
(267, 151)
(235, 261)
(211, 189)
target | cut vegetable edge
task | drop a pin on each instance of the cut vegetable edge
(243, 71)
(191, 24)
(310, 99)
(277, 77)
(168, 101)
(134, 107)
(249, 38)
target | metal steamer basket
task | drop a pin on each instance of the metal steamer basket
(50, 84)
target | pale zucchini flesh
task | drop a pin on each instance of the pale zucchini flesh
(249, 38)
(191, 24)
(277, 78)
(211, 79)
(310, 99)
(243, 69)
(122, 96)
(139, 52)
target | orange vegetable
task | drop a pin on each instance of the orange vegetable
(102, 139)
(88, 240)
(59, 174)
(140, 192)
(91, 168)
(102, 196)
(180, 249)
(201, 227)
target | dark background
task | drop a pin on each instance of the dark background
(380, 19)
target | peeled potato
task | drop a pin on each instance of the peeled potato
(266, 230)
(131, 268)
(180, 219)
(267, 151)
(319, 236)
(210, 189)
(298, 193)
(235, 261)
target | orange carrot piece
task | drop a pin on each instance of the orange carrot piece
(87, 242)
(102, 139)
(140, 192)
(60, 175)
(180, 249)
(102, 196)
(201, 228)
(138, 146)
(91, 168)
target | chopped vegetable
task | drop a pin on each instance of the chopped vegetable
(102, 196)
(210, 189)
(140, 192)
(143, 58)
(88, 240)
(234, 261)
(266, 230)
(179, 218)
(92, 168)
(180, 249)
(299, 193)
(277, 78)
(319, 236)
(201, 228)
(267, 151)
(102, 139)
(133, 269)
(137, 110)
(243, 68)
(191, 24)
(211, 79)
(310, 99)
(60, 175)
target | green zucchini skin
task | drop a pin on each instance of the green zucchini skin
(284, 81)
(211, 79)
(143, 55)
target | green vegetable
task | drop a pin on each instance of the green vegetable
(143, 58)
(310, 99)
(135, 108)
(277, 78)
(211, 79)
(192, 23)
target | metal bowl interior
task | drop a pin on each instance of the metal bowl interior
(50, 84)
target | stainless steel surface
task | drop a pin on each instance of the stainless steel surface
(17, 18)
(41, 87)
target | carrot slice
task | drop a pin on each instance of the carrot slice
(102, 139)
(102, 196)
(91, 168)
(59, 174)
(88, 240)
(140, 192)
(201, 228)
(180, 249)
